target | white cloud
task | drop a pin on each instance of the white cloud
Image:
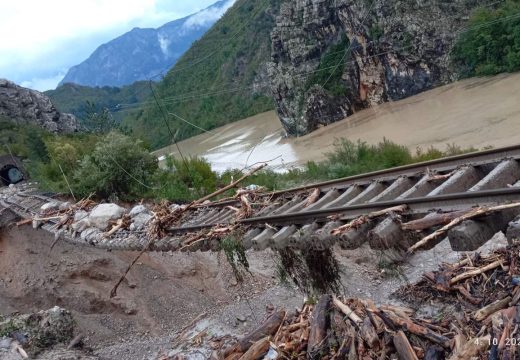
(40, 38)
(163, 43)
(208, 15)
(42, 84)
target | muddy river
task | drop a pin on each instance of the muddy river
(478, 112)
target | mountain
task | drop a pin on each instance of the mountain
(221, 78)
(29, 107)
(144, 53)
(75, 99)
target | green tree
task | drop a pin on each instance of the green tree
(36, 147)
(491, 42)
(99, 121)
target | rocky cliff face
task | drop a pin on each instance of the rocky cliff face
(331, 58)
(30, 107)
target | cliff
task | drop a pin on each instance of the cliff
(29, 107)
(333, 58)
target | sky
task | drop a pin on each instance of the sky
(41, 40)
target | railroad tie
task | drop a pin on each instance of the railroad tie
(421, 188)
(472, 234)
(330, 196)
(504, 174)
(388, 234)
(323, 238)
(374, 189)
(462, 180)
(344, 198)
(248, 237)
(355, 237)
(397, 188)
(280, 240)
(261, 241)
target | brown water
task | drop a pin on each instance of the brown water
(477, 112)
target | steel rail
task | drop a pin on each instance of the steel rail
(419, 205)
(438, 165)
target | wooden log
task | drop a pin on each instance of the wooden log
(434, 353)
(347, 311)
(470, 215)
(268, 328)
(369, 334)
(416, 329)
(257, 350)
(475, 272)
(432, 220)
(492, 308)
(472, 348)
(403, 347)
(319, 324)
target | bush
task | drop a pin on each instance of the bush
(118, 167)
(491, 43)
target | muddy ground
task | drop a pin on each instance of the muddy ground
(164, 292)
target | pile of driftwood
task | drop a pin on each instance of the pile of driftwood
(476, 316)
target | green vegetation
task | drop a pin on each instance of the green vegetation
(82, 101)
(329, 72)
(491, 44)
(116, 166)
(213, 83)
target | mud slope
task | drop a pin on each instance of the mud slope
(163, 292)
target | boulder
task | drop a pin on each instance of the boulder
(91, 235)
(141, 220)
(138, 209)
(43, 329)
(101, 215)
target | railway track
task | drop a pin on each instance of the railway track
(304, 217)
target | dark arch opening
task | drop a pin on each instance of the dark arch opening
(11, 174)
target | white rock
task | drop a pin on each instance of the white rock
(64, 206)
(80, 214)
(91, 235)
(138, 209)
(50, 206)
(141, 220)
(81, 225)
(103, 213)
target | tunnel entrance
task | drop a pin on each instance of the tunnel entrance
(10, 174)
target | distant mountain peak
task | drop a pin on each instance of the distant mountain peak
(144, 52)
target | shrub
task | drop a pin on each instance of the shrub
(119, 166)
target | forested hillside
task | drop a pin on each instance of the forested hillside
(221, 78)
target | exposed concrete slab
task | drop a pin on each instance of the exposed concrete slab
(293, 205)
(504, 174)
(462, 180)
(247, 240)
(301, 238)
(322, 238)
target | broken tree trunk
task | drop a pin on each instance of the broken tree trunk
(470, 215)
(257, 350)
(472, 348)
(319, 324)
(403, 347)
(268, 328)
(432, 220)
